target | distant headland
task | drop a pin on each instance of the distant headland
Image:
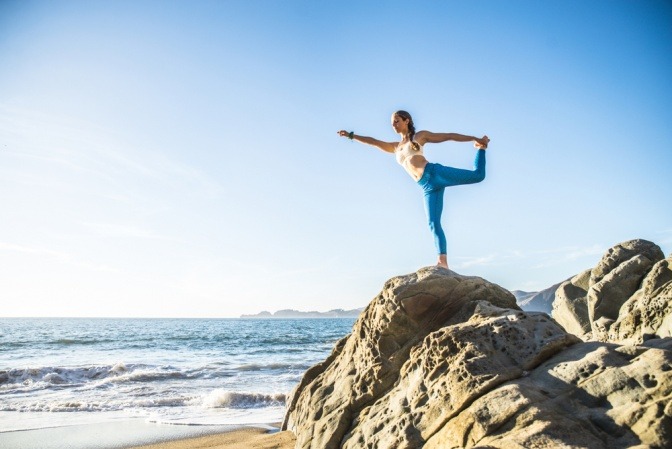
(290, 313)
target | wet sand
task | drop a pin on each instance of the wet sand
(245, 438)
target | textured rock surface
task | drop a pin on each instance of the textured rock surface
(451, 368)
(616, 277)
(570, 307)
(590, 304)
(367, 364)
(623, 252)
(592, 395)
(439, 360)
(648, 313)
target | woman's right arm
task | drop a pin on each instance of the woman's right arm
(387, 147)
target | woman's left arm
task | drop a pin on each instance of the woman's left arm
(423, 137)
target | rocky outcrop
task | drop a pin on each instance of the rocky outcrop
(648, 312)
(591, 395)
(367, 364)
(439, 360)
(607, 302)
(452, 368)
(570, 306)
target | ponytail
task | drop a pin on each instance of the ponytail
(411, 128)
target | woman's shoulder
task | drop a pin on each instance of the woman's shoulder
(421, 136)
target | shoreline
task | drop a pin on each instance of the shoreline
(248, 437)
(138, 433)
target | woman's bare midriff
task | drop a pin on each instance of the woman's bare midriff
(415, 166)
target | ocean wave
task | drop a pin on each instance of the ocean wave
(46, 377)
(102, 376)
(272, 366)
(75, 341)
(92, 405)
(150, 375)
(56, 375)
(230, 399)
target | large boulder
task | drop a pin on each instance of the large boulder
(647, 313)
(623, 252)
(616, 277)
(570, 307)
(363, 367)
(452, 368)
(591, 395)
(589, 304)
(438, 360)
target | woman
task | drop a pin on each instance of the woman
(433, 178)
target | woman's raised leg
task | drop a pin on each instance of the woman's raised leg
(450, 176)
(438, 178)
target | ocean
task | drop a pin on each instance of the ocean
(198, 372)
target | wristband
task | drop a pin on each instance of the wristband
(351, 135)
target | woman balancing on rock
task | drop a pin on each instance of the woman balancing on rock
(432, 178)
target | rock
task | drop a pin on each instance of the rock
(570, 307)
(451, 368)
(606, 297)
(622, 253)
(648, 313)
(594, 395)
(589, 304)
(438, 360)
(616, 277)
(321, 410)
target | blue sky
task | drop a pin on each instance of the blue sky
(181, 158)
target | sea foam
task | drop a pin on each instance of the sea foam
(229, 399)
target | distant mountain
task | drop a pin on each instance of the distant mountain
(522, 296)
(290, 313)
(536, 301)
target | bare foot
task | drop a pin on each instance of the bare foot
(482, 143)
(443, 261)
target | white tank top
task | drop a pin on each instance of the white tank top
(405, 151)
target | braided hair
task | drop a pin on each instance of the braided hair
(411, 127)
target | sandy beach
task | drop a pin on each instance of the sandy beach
(137, 433)
(247, 438)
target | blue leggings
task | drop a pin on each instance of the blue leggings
(434, 181)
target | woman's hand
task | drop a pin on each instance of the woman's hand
(387, 147)
(482, 143)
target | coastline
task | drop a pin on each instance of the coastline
(242, 438)
(138, 433)
(123, 383)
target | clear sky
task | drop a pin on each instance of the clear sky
(180, 158)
